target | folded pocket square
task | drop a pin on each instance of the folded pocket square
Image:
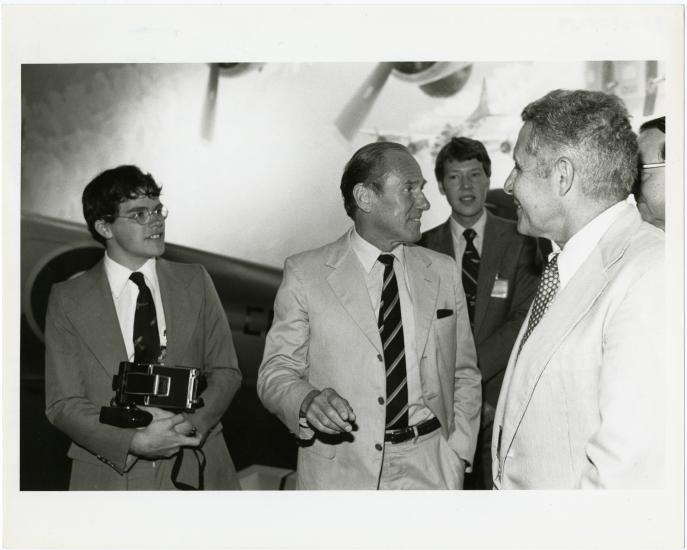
(441, 313)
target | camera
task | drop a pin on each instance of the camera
(173, 388)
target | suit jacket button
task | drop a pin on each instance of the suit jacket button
(379, 356)
(378, 446)
(380, 400)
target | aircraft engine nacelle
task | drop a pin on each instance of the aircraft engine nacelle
(435, 78)
(54, 250)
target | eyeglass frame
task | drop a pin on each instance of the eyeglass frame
(162, 213)
(652, 165)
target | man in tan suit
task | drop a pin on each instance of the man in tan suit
(581, 404)
(370, 360)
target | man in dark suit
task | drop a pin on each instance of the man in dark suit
(133, 306)
(500, 271)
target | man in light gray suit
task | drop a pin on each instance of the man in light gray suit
(581, 404)
(370, 360)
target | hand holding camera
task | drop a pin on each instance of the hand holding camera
(164, 436)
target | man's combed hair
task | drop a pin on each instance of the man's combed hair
(103, 195)
(593, 130)
(660, 124)
(462, 149)
(367, 165)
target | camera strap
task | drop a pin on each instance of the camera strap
(200, 458)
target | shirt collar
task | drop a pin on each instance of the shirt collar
(368, 253)
(578, 248)
(478, 226)
(118, 275)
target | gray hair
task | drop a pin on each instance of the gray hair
(593, 130)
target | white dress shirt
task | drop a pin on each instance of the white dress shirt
(459, 241)
(374, 272)
(124, 295)
(580, 246)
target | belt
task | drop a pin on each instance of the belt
(404, 434)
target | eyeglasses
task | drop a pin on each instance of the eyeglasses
(653, 165)
(142, 216)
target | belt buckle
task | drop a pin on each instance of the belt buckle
(416, 433)
(397, 436)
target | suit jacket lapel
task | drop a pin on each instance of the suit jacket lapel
(95, 318)
(181, 310)
(569, 307)
(348, 283)
(424, 289)
(493, 248)
(565, 312)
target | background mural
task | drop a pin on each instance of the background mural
(264, 184)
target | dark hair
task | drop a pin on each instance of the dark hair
(367, 165)
(103, 195)
(462, 149)
(660, 124)
(592, 129)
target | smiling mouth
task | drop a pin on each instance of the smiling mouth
(156, 236)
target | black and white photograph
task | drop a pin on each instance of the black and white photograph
(277, 263)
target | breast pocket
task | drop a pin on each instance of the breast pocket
(445, 325)
(445, 339)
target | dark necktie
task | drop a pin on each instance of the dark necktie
(470, 271)
(391, 332)
(146, 335)
(548, 286)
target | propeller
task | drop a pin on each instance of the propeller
(354, 113)
(208, 127)
(436, 79)
(652, 79)
(225, 69)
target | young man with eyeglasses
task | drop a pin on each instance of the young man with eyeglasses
(650, 195)
(94, 322)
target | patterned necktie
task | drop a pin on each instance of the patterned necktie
(470, 271)
(146, 335)
(548, 286)
(391, 331)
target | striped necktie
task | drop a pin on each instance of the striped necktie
(146, 335)
(391, 332)
(548, 286)
(470, 271)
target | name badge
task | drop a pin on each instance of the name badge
(500, 288)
